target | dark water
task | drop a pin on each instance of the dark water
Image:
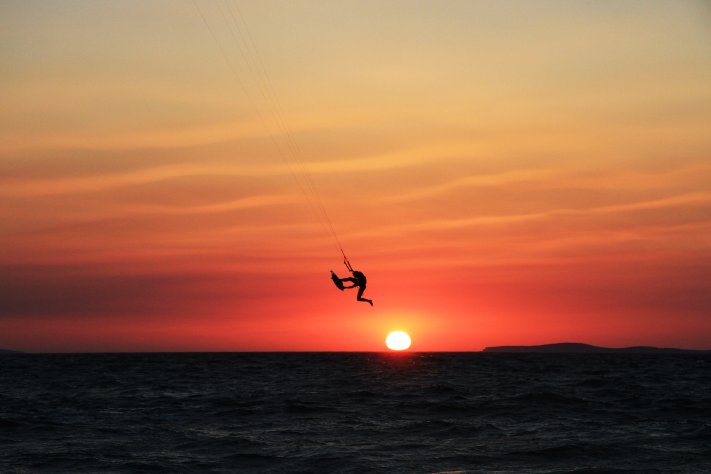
(367, 412)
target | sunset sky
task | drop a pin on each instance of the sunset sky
(504, 173)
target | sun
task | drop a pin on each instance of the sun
(398, 341)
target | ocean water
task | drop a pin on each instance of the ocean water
(355, 413)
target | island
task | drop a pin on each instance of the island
(7, 351)
(580, 348)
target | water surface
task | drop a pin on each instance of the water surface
(355, 412)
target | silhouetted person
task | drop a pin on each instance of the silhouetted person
(358, 280)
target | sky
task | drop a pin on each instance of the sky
(178, 175)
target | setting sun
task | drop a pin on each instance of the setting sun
(398, 341)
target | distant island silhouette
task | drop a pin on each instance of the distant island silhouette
(577, 347)
(7, 351)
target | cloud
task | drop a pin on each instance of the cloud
(494, 179)
(690, 199)
(248, 202)
(74, 290)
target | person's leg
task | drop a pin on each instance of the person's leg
(352, 280)
(360, 296)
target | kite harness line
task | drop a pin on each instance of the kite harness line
(228, 28)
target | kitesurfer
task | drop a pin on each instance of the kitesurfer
(358, 280)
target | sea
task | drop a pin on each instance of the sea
(355, 413)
